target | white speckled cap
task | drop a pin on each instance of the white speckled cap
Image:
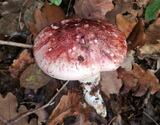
(75, 49)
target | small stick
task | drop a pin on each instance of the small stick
(68, 8)
(19, 117)
(112, 120)
(10, 43)
(147, 115)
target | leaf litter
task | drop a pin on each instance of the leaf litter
(131, 93)
(8, 107)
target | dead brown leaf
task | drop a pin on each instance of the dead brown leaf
(44, 16)
(137, 36)
(110, 84)
(93, 8)
(142, 3)
(152, 33)
(69, 105)
(122, 7)
(65, 107)
(33, 77)
(129, 81)
(126, 23)
(149, 49)
(42, 116)
(146, 79)
(9, 14)
(8, 110)
(20, 63)
(10, 6)
(140, 78)
(129, 60)
(9, 24)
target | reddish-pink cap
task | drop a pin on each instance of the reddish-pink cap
(75, 49)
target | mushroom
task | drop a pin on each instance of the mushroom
(79, 49)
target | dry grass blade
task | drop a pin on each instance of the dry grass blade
(147, 115)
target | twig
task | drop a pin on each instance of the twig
(10, 43)
(68, 8)
(19, 117)
(114, 118)
(150, 118)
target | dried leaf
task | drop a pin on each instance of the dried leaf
(140, 78)
(66, 107)
(44, 16)
(93, 8)
(10, 6)
(20, 63)
(40, 20)
(110, 84)
(8, 24)
(126, 23)
(33, 77)
(69, 105)
(42, 116)
(122, 7)
(149, 49)
(137, 36)
(152, 33)
(8, 110)
(128, 61)
(142, 3)
(28, 16)
(128, 79)
(146, 79)
(52, 13)
(9, 14)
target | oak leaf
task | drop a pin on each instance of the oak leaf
(110, 84)
(126, 23)
(33, 77)
(137, 36)
(44, 16)
(93, 8)
(123, 7)
(152, 32)
(8, 110)
(20, 63)
(139, 80)
(69, 105)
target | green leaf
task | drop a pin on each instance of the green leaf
(56, 2)
(152, 10)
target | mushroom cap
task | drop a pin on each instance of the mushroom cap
(75, 49)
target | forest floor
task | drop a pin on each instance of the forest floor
(131, 93)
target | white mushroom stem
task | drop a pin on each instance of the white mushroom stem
(92, 94)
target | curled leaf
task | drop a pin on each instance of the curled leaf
(20, 63)
(139, 80)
